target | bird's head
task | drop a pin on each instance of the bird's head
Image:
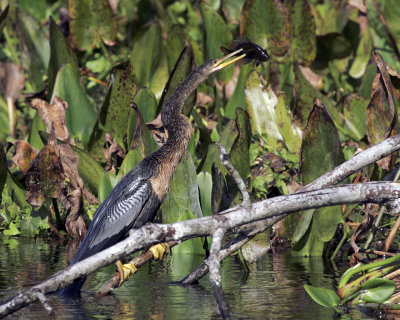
(214, 65)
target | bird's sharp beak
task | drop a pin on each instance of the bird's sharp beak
(224, 62)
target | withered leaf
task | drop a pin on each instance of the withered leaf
(53, 117)
(74, 224)
(159, 134)
(24, 153)
(45, 177)
(12, 80)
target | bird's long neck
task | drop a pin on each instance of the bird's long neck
(178, 130)
(173, 106)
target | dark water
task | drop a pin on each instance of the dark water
(272, 290)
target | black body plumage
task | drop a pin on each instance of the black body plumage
(131, 204)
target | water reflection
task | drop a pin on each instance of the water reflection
(272, 290)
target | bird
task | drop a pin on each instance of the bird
(254, 53)
(134, 201)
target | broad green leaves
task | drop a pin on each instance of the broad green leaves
(60, 54)
(216, 34)
(325, 297)
(320, 152)
(90, 22)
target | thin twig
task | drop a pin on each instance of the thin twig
(236, 177)
(378, 219)
(377, 252)
(215, 274)
(392, 234)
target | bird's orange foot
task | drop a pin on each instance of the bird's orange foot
(125, 270)
(158, 250)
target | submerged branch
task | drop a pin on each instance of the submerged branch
(215, 273)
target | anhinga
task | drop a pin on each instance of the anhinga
(136, 198)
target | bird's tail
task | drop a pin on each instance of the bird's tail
(72, 290)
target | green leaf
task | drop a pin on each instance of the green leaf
(267, 24)
(115, 111)
(299, 223)
(191, 246)
(16, 191)
(291, 134)
(261, 105)
(238, 97)
(184, 65)
(107, 183)
(30, 226)
(60, 54)
(83, 25)
(320, 150)
(355, 113)
(327, 219)
(329, 17)
(377, 290)
(304, 47)
(205, 186)
(12, 230)
(146, 54)
(147, 106)
(216, 33)
(309, 244)
(37, 43)
(105, 22)
(325, 297)
(89, 21)
(239, 153)
(89, 169)
(176, 43)
(131, 160)
(116, 108)
(305, 96)
(34, 138)
(80, 115)
(183, 194)
(363, 55)
(391, 13)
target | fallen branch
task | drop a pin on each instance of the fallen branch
(215, 274)
(272, 209)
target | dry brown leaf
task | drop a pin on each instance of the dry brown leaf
(74, 223)
(24, 153)
(159, 134)
(12, 80)
(45, 177)
(53, 117)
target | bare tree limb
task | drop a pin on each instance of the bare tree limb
(236, 177)
(333, 177)
(359, 161)
(272, 209)
(215, 274)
